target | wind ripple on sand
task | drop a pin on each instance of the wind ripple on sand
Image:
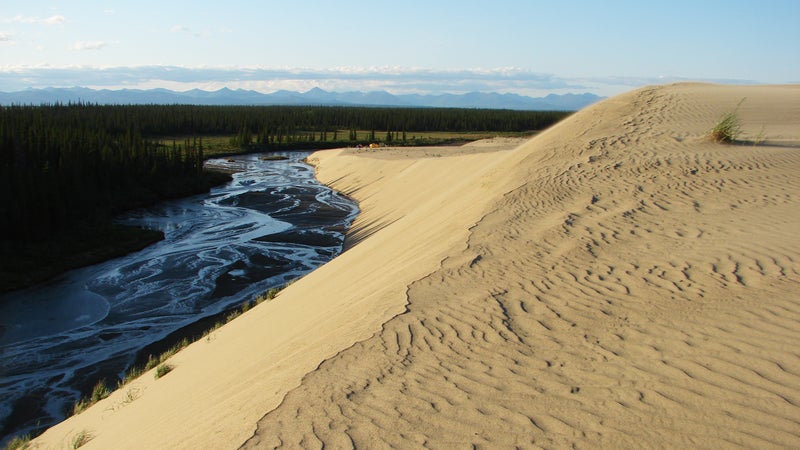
(638, 287)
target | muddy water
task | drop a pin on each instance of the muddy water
(273, 223)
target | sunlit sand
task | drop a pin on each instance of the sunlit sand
(619, 280)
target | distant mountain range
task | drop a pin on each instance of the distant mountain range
(316, 96)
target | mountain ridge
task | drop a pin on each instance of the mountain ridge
(315, 96)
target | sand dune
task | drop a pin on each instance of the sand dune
(618, 281)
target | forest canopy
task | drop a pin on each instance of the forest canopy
(67, 169)
(64, 164)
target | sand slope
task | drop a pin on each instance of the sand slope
(617, 281)
(638, 287)
(414, 211)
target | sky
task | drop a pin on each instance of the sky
(525, 47)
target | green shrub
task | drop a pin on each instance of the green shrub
(729, 127)
(99, 392)
(162, 370)
(151, 362)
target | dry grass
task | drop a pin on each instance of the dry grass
(729, 127)
(81, 439)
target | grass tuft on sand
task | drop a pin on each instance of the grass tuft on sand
(81, 439)
(729, 127)
(162, 370)
(18, 443)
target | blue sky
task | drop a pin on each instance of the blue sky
(525, 47)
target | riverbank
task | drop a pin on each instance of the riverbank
(27, 263)
(273, 223)
(619, 280)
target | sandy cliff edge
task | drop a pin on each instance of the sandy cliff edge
(617, 281)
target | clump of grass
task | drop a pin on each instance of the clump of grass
(18, 443)
(173, 350)
(131, 395)
(162, 370)
(729, 127)
(760, 137)
(269, 295)
(232, 315)
(99, 392)
(246, 306)
(81, 439)
(80, 406)
(133, 373)
(153, 361)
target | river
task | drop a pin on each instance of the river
(273, 223)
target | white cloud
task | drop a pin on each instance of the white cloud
(5, 37)
(52, 20)
(22, 19)
(186, 30)
(89, 45)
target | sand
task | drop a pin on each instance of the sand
(618, 281)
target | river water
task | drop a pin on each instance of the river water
(273, 223)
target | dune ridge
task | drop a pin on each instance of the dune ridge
(221, 386)
(638, 288)
(618, 281)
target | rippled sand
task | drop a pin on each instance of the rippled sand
(617, 281)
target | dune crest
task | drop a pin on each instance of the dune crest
(638, 288)
(617, 281)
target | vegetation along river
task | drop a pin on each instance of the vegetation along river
(273, 223)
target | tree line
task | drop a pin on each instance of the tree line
(166, 120)
(70, 165)
(62, 165)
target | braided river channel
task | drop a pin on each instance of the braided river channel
(273, 223)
